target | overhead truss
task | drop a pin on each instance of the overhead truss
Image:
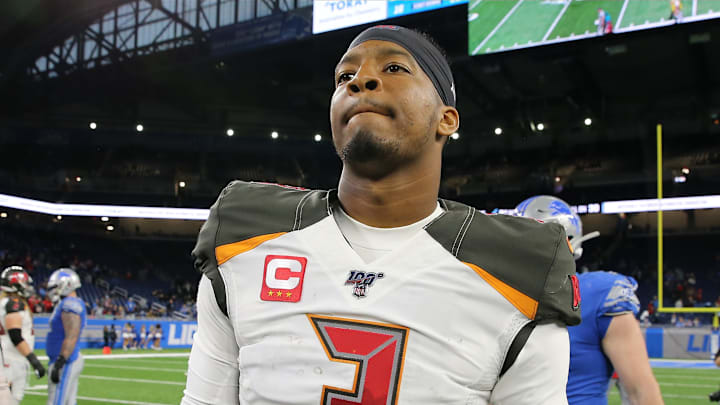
(142, 27)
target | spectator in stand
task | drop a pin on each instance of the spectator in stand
(131, 306)
(47, 305)
(33, 301)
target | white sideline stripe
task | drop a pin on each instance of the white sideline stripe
(557, 20)
(134, 361)
(672, 377)
(134, 380)
(126, 356)
(694, 7)
(645, 26)
(708, 386)
(475, 4)
(497, 27)
(701, 17)
(622, 14)
(105, 366)
(104, 400)
(552, 41)
(703, 398)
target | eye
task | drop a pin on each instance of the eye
(344, 77)
(395, 68)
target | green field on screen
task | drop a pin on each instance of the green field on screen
(501, 25)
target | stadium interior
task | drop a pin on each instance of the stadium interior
(170, 121)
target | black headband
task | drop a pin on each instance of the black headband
(427, 55)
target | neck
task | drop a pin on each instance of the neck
(397, 199)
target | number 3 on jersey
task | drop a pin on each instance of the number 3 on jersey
(378, 352)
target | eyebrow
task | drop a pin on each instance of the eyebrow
(383, 53)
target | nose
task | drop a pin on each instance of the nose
(364, 81)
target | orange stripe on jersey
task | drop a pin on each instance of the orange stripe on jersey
(226, 252)
(570, 246)
(522, 302)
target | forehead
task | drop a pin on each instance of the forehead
(374, 49)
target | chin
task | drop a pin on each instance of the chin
(370, 150)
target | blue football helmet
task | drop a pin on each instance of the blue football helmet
(547, 208)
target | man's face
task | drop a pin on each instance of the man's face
(384, 110)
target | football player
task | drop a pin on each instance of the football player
(609, 337)
(66, 324)
(379, 292)
(17, 338)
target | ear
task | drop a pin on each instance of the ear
(449, 121)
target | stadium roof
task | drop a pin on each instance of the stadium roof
(663, 74)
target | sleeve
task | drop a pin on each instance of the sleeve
(213, 372)
(14, 305)
(539, 375)
(74, 306)
(203, 254)
(620, 298)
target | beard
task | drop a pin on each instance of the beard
(366, 147)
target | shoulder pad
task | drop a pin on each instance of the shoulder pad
(247, 214)
(527, 261)
(619, 296)
(14, 304)
(75, 306)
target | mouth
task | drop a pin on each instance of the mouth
(364, 109)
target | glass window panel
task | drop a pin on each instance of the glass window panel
(227, 12)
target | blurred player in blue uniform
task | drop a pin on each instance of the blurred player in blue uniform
(66, 324)
(609, 337)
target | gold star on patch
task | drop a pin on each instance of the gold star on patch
(288, 294)
(270, 293)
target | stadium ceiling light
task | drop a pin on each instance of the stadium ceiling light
(104, 219)
(685, 170)
(3, 214)
(318, 137)
(110, 228)
(182, 184)
(78, 179)
(557, 179)
(139, 127)
(230, 132)
(93, 125)
(274, 135)
(498, 131)
(59, 217)
(455, 136)
(540, 126)
(588, 122)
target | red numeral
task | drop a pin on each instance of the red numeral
(378, 352)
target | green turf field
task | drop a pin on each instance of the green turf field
(146, 380)
(682, 386)
(501, 25)
(152, 380)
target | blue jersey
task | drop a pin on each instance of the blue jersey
(604, 295)
(57, 333)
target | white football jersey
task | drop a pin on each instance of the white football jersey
(10, 352)
(299, 318)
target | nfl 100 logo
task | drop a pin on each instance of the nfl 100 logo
(361, 281)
